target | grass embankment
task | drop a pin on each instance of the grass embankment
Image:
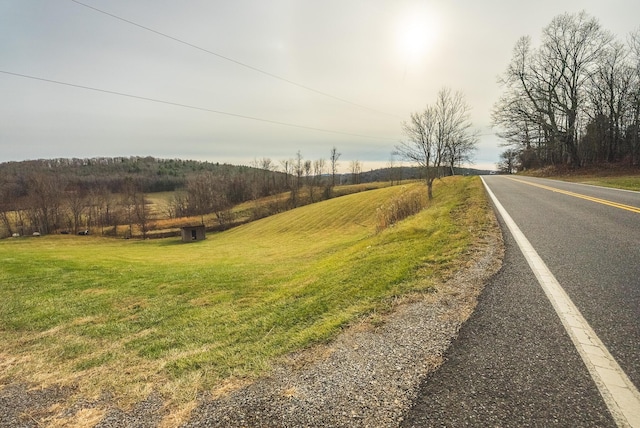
(162, 226)
(614, 175)
(627, 182)
(135, 316)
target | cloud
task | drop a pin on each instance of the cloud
(340, 50)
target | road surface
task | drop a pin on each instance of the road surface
(527, 356)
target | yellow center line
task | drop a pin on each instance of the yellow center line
(581, 196)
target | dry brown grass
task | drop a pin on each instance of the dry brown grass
(83, 418)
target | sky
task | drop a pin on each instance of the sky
(238, 81)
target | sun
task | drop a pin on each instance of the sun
(416, 33)
(414, 40)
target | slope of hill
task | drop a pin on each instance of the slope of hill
(110, 196)
(132, 317)
(156, 175)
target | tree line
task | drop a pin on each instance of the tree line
(73, 195)
(574, 99)
(104, 194)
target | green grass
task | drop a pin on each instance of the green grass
(629, 182)
(132, 316)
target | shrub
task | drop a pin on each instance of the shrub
(406, 204)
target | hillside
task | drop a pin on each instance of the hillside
(134, 317)
(160, 175)
(154, 174)
(113, 196)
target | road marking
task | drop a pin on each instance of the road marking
(581, 196)
(619, 393)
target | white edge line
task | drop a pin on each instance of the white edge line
(619, 393)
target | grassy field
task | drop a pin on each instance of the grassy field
(130, 316)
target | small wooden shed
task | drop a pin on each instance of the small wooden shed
(193, 233)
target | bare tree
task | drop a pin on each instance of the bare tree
(508, 161)
(134, 205)
(318, 170)
(268, 183)
(633, 130)
(430, 133)
(178, 205)
(102, 206)
(45, 195)
(394, 170)
(308, 178)
(287, 168)
(356, 170)
(462, 150)
(308, 169)
(76, 201)
(333, 161)
(610, 107)
(262, 182)
(545, 88)
(142, 214)
(422, 145)
(200, 199)
(298, 172)
(460, 139)
(8, 202)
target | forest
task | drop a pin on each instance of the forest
(573, 99)
(79, 195)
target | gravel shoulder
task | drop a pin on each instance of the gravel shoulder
(368, 377)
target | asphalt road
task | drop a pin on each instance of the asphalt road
(514, 364)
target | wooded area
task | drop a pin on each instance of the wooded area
(100, 194)
(573, 100)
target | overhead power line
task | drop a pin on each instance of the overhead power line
(227, 58)
(225, 113)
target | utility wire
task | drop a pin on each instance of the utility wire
(155, 100)
(226, 58)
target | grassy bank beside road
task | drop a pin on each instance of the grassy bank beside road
(132, 317)
(614, 175)
(627, 182)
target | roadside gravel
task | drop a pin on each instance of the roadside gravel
(368, 377)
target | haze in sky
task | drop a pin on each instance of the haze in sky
(234, 81)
